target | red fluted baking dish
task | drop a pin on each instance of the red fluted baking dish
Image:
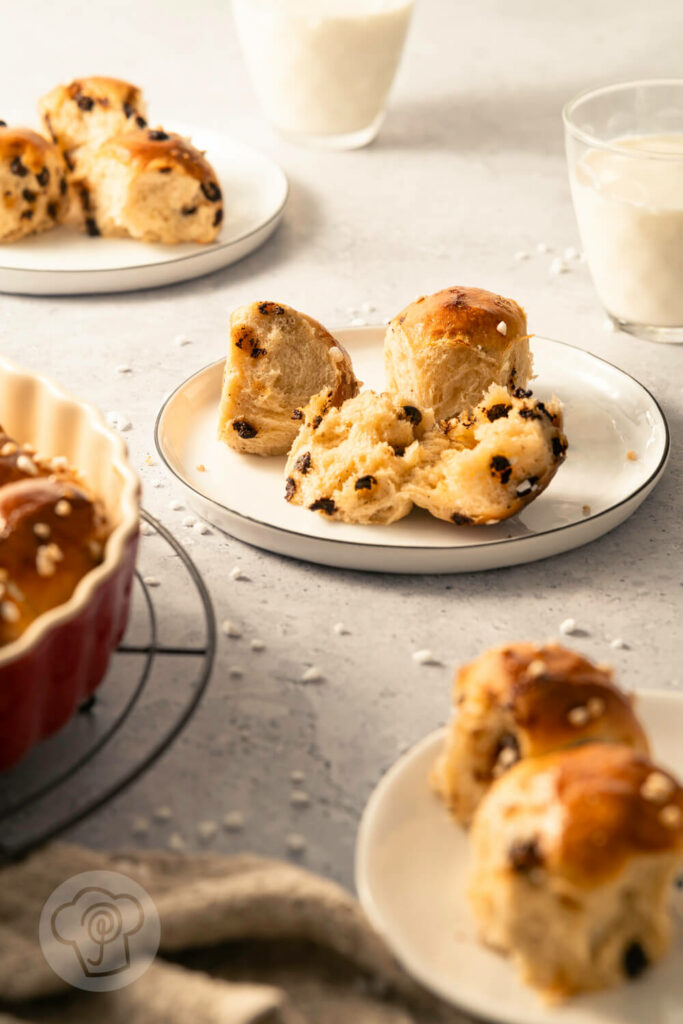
(63, 655)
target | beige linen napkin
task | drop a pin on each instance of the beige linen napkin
(250, 940)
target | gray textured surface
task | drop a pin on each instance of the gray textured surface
(468, 169)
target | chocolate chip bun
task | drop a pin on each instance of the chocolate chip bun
(519, 701)
(32, 184)
(352, 463)
(443, 351)
(82, 115)
(277, 360)
(573, 858)
(51, 534)
(151, 185)
(487, 464)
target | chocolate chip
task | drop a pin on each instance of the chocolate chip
(3, 124)
(158, 136)
(244, 429)
(529, 414)
(270, 307)
(635, 960)
(365, 483)
(16, 167)
(43, 177)
(317, 420)
(559, 447)
(140, 122)
(68, 161)
(27, 215)
(399, 450)
(187, 211)
(211, 191)
(84, 102)
(297, 414)
(521, 393)
(53, 210)
(290, 488)
(501, 468)
(303, 463)
(217, 218)
(85, 197)
(91, 227)
(63, 186)
(461, 520)
(256, 352)
(498, 411)
(128, 109)
(412, 414)
(29, 196)
(323, 505)
(541, 407)
(525, 855)
(166, 170)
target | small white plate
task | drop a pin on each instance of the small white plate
(607, 413)
(411, 864)
(65, 262)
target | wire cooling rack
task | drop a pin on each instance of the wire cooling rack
(151, 691)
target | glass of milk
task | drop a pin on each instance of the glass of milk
(625, 154)
(322, 69)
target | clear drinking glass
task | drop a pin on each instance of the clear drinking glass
(322, 69)
(625, 155)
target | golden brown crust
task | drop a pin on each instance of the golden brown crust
(51, 534)
(464, 316)
(555, 696)
(27, 145)
(155, 149)
(603, 809)
(104, 90)
(90, 92)
(444, 351)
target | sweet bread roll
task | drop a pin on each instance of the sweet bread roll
(444, 350)
(82, 115)
(51, 534)
(21, 462)
(277, 360)
(519, 701)
(32, 184)
(486, 465)
(150, 185)
(573, 859)
(351, 463)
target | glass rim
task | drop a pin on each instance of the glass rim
(591, 140)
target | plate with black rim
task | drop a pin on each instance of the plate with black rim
(618, 448)
(411, 871)
(65, 262)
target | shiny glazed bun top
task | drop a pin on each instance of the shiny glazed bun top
(445, 350)
(583, 813)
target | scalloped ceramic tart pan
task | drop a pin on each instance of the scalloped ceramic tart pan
(62, 657)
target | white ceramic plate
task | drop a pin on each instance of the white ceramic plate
(411, 862)
(64, 262)
(607, 413)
